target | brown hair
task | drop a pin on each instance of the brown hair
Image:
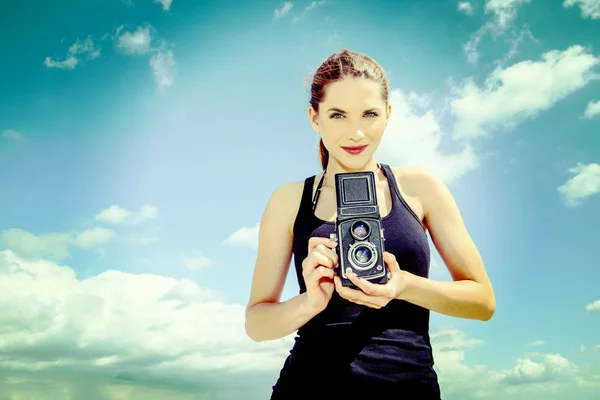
(338, 66)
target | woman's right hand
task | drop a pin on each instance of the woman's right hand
(318, 270)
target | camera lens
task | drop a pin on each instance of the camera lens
(360, 230)
(363, 255)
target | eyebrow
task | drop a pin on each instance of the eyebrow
(344, 112)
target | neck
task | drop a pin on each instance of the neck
(334, 167)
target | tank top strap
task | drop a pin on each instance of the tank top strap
(305, 209)
(397, 198)
(389, 174)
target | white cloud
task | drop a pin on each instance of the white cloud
(163, 68)
(519, 92)
(118, 215)
(585, 183)
(503, 14)
(414, 137)
(53, 245)
(311, 6)
(79, 47)
(538, 343)
(285, 8)
(11, 134)
(165, 3)
(137, 42)
(146, 326)
(589, 8)
(93, 237)
(465, 7)
(592, 109)
(244, 237)
(536, 368)
(593, 307)
(162, 62)
(197, 262)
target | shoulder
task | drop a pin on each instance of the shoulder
(423, 184)
(284, 202)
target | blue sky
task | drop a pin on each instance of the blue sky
(140, 141)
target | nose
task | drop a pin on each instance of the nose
(357, 135)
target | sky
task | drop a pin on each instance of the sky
(141, 139)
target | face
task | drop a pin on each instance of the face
(351, 121)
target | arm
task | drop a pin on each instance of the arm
(266, 317)
(470, 294)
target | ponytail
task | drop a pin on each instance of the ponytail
(324, 154)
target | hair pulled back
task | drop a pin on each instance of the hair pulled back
(338, 66)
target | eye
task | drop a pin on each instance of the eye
(334, 115)
(372, 114)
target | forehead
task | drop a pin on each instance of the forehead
(351, 92)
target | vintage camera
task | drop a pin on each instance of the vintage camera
(358, 229)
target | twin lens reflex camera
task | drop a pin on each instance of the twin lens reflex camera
(358, 229)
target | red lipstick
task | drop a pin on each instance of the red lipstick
(354, 149)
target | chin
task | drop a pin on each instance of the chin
(354, 162)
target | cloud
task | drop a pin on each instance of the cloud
(592, 109)
(311, 6)
(281, 12)
(80, 47)
(165, 3)
(466, 7)
(137, 42)
(197, 262)
(536, 368)
(414, 136)
(54, 246)
(585, 183)
(593, 307)
(118, 215)
(140, 327)
(244, 237)
(503, 14)
(140, 42)
(163, 68)
(538, 343)
(144, 336)
(11, 134)
(534, 375)
(589, 8)
(519, 92)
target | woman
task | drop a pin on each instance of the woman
(372, 341)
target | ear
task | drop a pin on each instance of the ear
(389, 112)
(314, 119)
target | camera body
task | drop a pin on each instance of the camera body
(358, 229)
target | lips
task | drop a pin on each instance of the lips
(354, 149)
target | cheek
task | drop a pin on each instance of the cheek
(334, 129)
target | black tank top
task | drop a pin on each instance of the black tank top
(387, 349)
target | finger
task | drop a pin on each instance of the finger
(330, 253)
(316, 240)
(384, 291)
(364, 285)
(390, 261)
(314, 278)
(321, 259)
(355, 296)
(314, 260)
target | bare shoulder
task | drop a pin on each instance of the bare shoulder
(285, 201)
(423, 185)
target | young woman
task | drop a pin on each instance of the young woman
(370, 342)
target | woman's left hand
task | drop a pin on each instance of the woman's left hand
(371, 294)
